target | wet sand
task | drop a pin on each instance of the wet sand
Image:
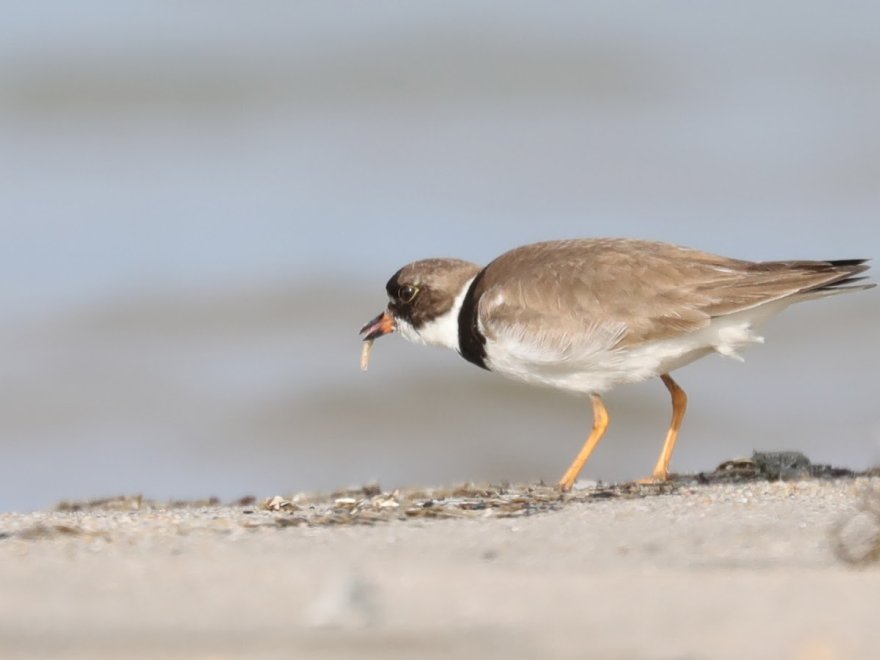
(701, 568)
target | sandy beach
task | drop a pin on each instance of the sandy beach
(700, 568)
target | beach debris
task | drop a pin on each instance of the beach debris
(857, 540)
(772, 466)
(40, 531)
(278, 503)
(783, 464)
(139, 502)
(371, 505)
(44, 532)
(119, 503)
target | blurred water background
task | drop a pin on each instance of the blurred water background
(201, 203)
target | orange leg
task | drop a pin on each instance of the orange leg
(679, 406)
(600, 424)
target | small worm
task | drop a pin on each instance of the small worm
(365, 354)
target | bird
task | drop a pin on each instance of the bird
(586, 315)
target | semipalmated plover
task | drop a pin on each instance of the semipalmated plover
(586, 315)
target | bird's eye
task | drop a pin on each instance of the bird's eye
(406, 293)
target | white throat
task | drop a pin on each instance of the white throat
(442, 331)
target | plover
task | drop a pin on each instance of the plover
(586, 315)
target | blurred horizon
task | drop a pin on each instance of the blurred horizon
(201, 205)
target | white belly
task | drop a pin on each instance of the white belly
(595, 367)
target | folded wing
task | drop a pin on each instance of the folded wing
(564, 300)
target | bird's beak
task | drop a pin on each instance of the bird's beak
(381, 325)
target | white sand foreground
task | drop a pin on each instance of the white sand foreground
(706, 571)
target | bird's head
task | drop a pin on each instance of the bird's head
(424, 299)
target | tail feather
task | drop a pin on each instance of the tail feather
(845, 263)
(845, 276)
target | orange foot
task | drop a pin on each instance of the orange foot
(656, 478)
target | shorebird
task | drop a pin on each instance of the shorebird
(586, 315)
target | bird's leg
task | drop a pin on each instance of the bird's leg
(679, 406)
(600, 424)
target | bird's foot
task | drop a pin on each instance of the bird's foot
(656, 478)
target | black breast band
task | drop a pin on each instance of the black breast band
(471, 342)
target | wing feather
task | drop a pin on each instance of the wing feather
(570, 298)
